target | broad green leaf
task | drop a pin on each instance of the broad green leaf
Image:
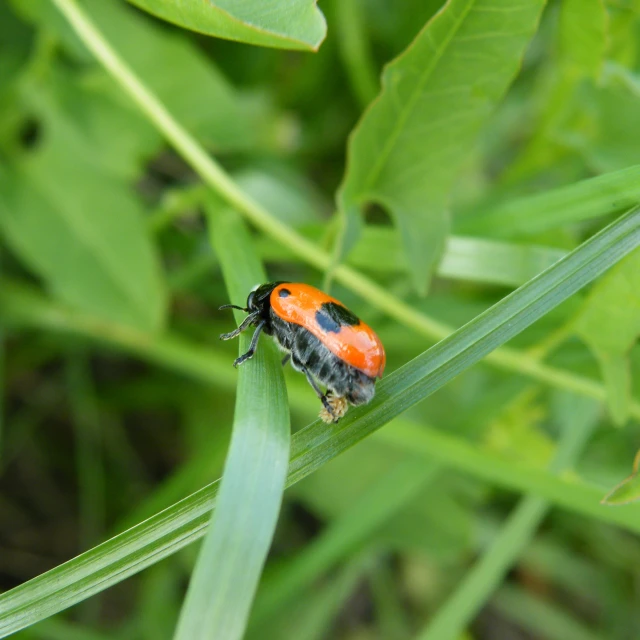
(313, 446)
(198, 95)
(296, 24)
(83, 233)
(91, 119)
(623, 40)
(407, 150)
(609, 323)
(235, 548)
(583, 36)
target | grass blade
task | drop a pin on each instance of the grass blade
(348, 532)
(545, 619)
(317, 443)
(460, 609)
(584, 200)
(235, 548)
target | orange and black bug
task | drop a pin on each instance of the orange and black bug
(322, 338)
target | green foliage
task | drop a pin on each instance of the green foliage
(406, 152)
(134, 139)
(611, 329)
(226, 576)
(300, 26)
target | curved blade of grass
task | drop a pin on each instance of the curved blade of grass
(212, 174)
(297, 24)
(317, 443)
(204, 365)
(479, 583)
(236, 545)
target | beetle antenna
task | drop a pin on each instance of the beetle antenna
(232, 306)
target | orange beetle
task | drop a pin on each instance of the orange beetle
(322, 338)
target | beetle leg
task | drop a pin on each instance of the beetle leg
(286, 359)
(236, 332)
(252, 346)
(314, 385)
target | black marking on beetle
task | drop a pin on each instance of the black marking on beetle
(284, 293)
(329, 370)
(339, 314)
(326, 322)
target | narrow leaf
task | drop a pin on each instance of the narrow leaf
(465, 258)
(235, 548)
(296, 24)
(542, 617)
(480, 582)
(408, 148)
(348, 532)
(584, 200)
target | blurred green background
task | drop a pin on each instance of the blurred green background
(118, 398)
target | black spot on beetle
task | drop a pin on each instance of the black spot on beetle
(284, 293)
(331, 316)
(326, 322)
(340, 314)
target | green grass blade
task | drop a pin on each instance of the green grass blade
(569, 492)
(317, 443)
(544, 619)
(389, 494)
(603, 195)
(434, 368)
(460, 609)
(205, 365)
(480, 583)
(235, 548)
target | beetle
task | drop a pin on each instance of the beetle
(322, 339)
